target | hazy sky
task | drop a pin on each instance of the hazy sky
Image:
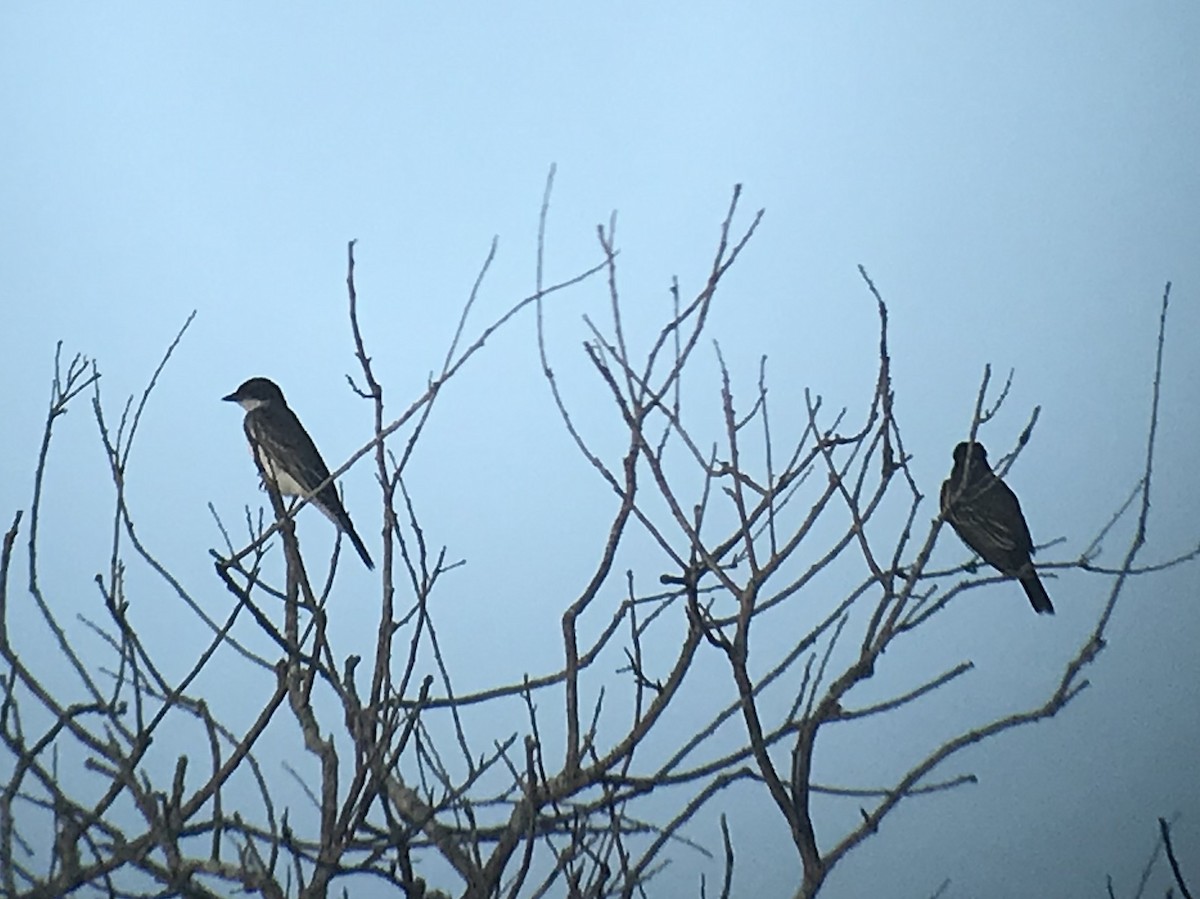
(1020, 179)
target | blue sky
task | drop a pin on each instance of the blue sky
(1020, 180)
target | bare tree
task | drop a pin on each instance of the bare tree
(760, 531)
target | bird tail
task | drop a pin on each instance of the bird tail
(348, 529)
(366, 557)
(1038, 597)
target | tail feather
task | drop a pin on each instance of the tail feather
(348, 530)
(1038, 597)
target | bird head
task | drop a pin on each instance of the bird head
(972, 457)
(976, 450)
(255, 393)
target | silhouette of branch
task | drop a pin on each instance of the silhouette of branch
(1165, 830)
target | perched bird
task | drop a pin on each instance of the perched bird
(288, 456)
(985, 513)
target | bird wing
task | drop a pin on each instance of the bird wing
(286, 451)
(987, 516)
(291, 460)
(1000, 513)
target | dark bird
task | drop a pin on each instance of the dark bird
(288, 456)
(985, 513)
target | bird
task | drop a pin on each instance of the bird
(287, 456)
(986, 514)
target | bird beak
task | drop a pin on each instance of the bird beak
(232, 398)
